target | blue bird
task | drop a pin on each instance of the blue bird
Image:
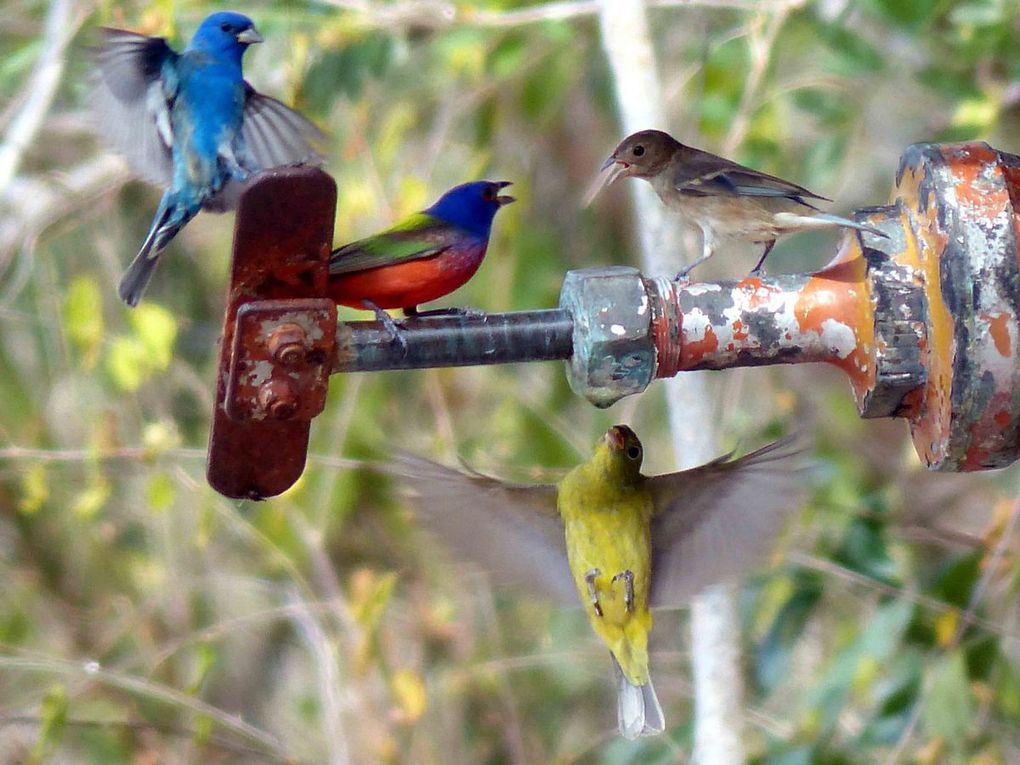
(190, 123)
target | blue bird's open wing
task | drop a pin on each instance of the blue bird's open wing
(131, 100)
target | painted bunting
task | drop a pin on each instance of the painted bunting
(422, 258)
(717, 195)
(190, 123)
(621, 542)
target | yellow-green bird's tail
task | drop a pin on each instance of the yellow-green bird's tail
(637, 706)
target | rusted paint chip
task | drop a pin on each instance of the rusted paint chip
(280, 363)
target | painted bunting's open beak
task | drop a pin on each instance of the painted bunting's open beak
(249, 36)
(505, 199)
(611, 169)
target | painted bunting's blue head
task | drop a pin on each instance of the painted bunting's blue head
(225, 33)
(471, 206)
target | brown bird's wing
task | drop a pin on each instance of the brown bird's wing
(513, 531)
(700, 173)
(716, 521)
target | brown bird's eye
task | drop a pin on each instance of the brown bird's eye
(634, 452)
(638, 150)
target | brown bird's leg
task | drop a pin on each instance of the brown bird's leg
(628, 588)
(758, 270)
(453, 311)
(707, 247)
(388, 323)
(593, 596)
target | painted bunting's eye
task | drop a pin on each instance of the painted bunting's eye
(634, 452)
(638, 150)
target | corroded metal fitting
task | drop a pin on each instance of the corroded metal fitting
(614, 351)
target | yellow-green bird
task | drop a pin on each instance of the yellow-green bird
(621, 541)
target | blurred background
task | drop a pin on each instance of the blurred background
(145, 619)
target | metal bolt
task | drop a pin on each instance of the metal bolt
(287, 343)
(278, 399)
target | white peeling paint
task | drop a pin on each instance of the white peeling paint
(696, 325)
(702, 288)
(839, 337)
(617, 329)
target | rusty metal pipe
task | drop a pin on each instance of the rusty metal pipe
(453, 341)
(925, 321)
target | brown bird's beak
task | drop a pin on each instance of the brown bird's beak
(249, 36)
(505, 199)
(611, 169)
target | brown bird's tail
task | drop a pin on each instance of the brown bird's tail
(637, 706)
(795, 222)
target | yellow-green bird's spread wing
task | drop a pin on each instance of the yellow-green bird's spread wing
(716, 522)
(512, 531)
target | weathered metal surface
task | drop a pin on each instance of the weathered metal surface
(924, 322)
(961, 202)
(449, 341)
(899, 310)
(282, 239)
(614, 351)
(281, 358)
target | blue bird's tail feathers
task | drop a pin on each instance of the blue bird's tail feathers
(170, 218)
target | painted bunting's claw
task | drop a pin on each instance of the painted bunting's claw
(628, 588)
(474, 313)
(593, 596)
(388, 323)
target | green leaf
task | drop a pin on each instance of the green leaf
(53, 719)
(156, 329)
(948, 710)
(83, 318)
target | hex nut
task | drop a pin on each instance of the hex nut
(614, 351)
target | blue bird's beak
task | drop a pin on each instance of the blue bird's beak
(505, 199)
(249, 36)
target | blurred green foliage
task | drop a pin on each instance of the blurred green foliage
(143, 618)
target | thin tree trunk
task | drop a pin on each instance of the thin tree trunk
(715, 630)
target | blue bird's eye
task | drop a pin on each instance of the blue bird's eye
(225, 26)
(489, 194)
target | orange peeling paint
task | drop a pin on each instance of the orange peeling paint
(998, 328)
(694, 351)
(840, 294)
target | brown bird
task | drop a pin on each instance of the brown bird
(720, 197)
